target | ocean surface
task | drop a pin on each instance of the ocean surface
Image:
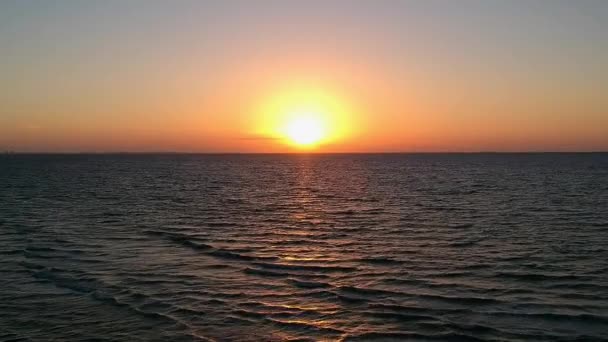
(456, 247)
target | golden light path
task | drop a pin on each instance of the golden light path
(304, 118)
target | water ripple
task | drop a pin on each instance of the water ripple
(304, 248)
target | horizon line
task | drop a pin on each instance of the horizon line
(4, 153)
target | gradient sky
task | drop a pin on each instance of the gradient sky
(412, 75)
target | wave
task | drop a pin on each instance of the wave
(210, 250)
(461, 225)
(462, 300)
(346, 212)
(366, 291)
(408, 336)
(305, 326)
(583, 318)
(39, 249)
(100, 292)
(11, 252)
(399, 316)
(309, 284)
(463, 243)
(250, 314)
(310, 268)
(181, 239)
(226, 254)
(266, 273)
(540, 276)
(380, 260)
(400, 281)
(417, 310)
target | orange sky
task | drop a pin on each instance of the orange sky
(199, 77)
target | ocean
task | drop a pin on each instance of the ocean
(345, 247)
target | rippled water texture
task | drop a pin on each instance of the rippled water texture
(323, 247)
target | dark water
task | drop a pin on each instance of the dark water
(493, 247)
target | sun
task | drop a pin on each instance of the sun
(305, 130)
(304, 118)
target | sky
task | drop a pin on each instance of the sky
(219, 76)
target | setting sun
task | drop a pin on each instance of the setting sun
(305, 130)
(305, 117)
